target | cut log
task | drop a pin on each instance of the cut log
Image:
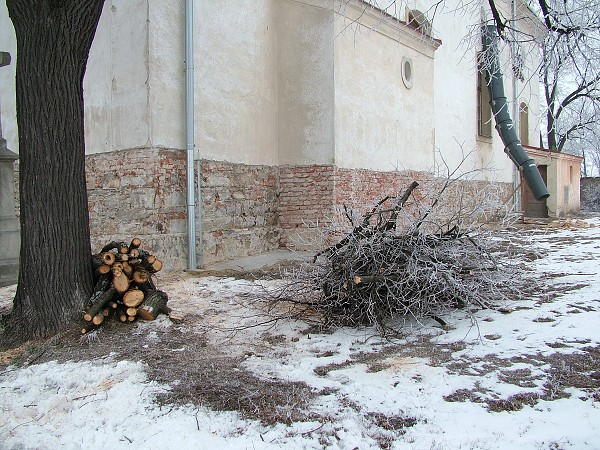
(98, 319)
(152, 264)
(155, 303)
(114, 245)
(176, 317)
(103, 270)
(120, 282)
(99, 304)
(358, 279)
(87, 327)
(135, 243)
(121, 314)
(121, 257)
(147, 286)
(157, 266)
(141, 254)
(116, 267)
(127, 269)
(108, 258)
(97, 261)
(133, 297)
(101, 285)
(140, 275)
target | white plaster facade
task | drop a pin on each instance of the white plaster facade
(287, 82)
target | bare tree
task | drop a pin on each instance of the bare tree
(570, 67)
(53, 41)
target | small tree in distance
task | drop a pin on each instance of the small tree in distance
(53, 42)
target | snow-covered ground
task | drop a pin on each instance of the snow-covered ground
(528, 379)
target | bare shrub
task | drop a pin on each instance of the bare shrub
(411, 255)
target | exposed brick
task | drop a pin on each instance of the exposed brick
(246, 209)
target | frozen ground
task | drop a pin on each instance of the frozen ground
(524, 378)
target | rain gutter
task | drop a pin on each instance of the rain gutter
(189, 132)
(504, 124)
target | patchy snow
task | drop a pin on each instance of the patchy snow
(375, 394)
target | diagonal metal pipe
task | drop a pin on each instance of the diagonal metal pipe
(504, 124)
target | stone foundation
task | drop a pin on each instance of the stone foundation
(246, 209)
(240, 214)
(140, 192)
(590, 193)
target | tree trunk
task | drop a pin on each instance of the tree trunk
(53, 42)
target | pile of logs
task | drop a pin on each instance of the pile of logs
(123, 285)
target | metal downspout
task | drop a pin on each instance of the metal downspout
(504, 125)
(189, 131)
(516, 118)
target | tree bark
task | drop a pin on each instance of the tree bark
(53, 42)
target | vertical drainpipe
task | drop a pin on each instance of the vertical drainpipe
(516, 175)
(189, 131)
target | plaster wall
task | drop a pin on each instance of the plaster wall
(456, 132)
(381, 124)
(166, 72)
(236, 82)
(456, 100)
(8, 107)
(528, 91)
(116, 80)
(563, 173)
(115, 83)
(305, 77)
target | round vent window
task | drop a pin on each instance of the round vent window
(407, 72)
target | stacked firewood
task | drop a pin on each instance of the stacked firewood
(123, 285)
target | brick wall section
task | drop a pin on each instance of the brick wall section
(361, 189)
(140, 192)
(246, 209)
(240, 214)
(306, 195)
(311, 194)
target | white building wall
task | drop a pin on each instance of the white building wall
(116, 80)
(305, 76)
(236, 94)
(8, 107)
(380, 123)
(166, 72)
(456, 98)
